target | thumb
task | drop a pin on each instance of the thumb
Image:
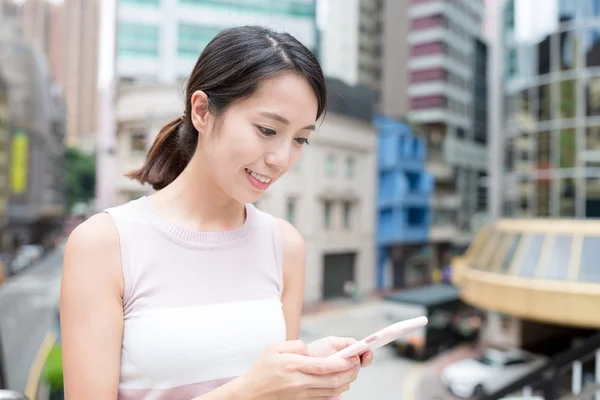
(340, 343)
(292, 346)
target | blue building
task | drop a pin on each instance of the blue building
(403, 201)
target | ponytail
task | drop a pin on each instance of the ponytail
(170, 153)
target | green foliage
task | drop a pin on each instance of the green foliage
(53, 372)
(81, 176)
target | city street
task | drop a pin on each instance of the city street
(390, 377)
(28, 304)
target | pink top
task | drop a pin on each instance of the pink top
(200, 307)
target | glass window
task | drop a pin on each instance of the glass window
(558, 259)
(568, 99)
(568, 50)
(287, 7)
(568, 151)
(592, 138)
(484, 258)
(567, 10)
(140, 40)
(153, 3)
(543, 150)
(192, 39)
(327, 206)
(592, 95)
(511, 63)
(138, 142)
(592, 198)
(524, 198)
(347, 215)
(509, 155)
(509, 16)
(511, 252)
(543, 198)
(544, 103)
(350, 167)
(592, 47)
(532, 255)
(330, 165)
(590, 254)
(566, 198)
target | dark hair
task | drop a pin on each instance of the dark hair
(230, 69)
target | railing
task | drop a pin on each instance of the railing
(546, 378)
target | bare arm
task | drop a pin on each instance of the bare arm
(91, 311)
(294, 260)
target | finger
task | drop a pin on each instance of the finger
(333, 382)
(324, 366)
(340, 343)
(327, 394)
(366, 359)
(291, 346)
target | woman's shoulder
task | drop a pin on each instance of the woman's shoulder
(97, 232)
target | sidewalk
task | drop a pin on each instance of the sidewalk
(429, 386)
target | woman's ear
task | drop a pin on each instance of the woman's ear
(199, 110)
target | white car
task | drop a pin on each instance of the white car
(494, 370)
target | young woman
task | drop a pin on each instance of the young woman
(192, 292)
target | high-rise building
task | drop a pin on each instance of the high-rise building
(427, 60)
(549, 127)
(160, 40)
(67, 35)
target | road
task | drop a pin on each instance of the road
(28, 304)
(390, 377)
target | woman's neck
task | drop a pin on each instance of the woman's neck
(195, 201)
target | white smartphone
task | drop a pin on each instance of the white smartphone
(382, 337)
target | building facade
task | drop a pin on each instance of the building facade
(37, 166)
(162, 39)
(329, 196)
(142, 109)
(403, 202)
(550, 126)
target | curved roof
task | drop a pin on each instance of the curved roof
(548, 270)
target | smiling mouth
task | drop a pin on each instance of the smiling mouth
(258, 177)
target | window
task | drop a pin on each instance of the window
(558, 260)
(138, 40)
(347, 215)
(532, 256)
(290, 211)
(590, 254)
(330, 165)
(350, 167)
(138, 142)
(327, 205)
(192, 39)
(152, 3)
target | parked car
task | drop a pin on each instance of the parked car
(492, 371)
(25, 256)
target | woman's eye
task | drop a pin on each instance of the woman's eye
(302, 140)
(266, 131)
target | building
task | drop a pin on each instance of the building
(162, 39)
(534, 268)
(68, 35)
(329, 196)
(447, 61)
(427, 60)
(37, 167)
(142, 109)
(403, 203)
(550, 107)
(5, 139)
(157, 45)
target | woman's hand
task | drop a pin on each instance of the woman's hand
(331, 344)
(287, 371)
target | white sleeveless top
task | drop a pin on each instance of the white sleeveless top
(199, 307)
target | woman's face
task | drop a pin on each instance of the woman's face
(260, 138)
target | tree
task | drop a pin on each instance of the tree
(81, 176)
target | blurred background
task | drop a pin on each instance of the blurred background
(456, 175)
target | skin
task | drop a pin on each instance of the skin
(208, 196)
